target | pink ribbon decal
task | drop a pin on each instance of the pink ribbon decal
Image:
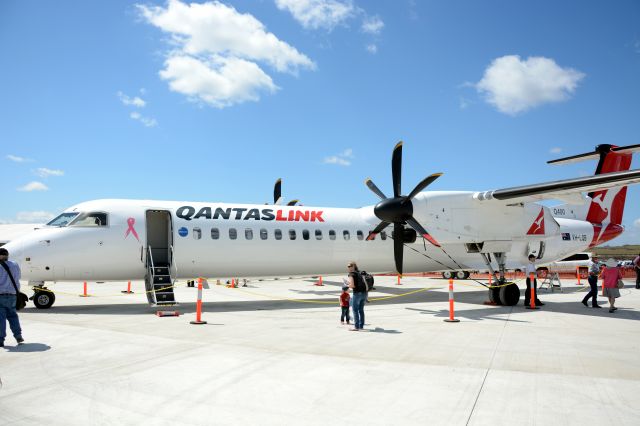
(131, 221)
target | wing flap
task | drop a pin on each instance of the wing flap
(561, 189)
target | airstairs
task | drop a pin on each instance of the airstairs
(159, 282)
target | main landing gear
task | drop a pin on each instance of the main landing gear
(43, 298)
(502, 292)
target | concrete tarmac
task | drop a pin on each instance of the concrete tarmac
(275, 353)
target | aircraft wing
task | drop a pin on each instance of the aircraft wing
(568, 189)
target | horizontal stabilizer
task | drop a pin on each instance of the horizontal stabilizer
(562, 188)
(595, 155)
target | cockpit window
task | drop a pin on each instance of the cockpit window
(91, 219)
(63, 219)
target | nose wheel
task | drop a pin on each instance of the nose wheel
(43, 298)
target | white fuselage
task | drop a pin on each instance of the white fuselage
(200, 243)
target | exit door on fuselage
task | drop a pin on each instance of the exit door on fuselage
(159, 238)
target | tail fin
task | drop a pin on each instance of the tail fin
(607, 206)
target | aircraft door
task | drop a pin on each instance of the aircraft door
(159, 238)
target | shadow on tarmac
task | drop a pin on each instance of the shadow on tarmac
(28, 347)
(475, 297)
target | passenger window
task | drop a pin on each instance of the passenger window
(248, 234)
(332, 234)
(263, 234)
(215, 233)
(197, 233)
(360, 235)
(305, 234)
(318, 234)
(233, 233)
(346, 235)
(383, 235)
(292, 234)
(91, 219)
(277, 234)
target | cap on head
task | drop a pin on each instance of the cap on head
(4, 251)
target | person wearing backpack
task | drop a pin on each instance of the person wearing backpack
(9, 287)
(359, 287)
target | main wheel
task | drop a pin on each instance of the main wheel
(461, 275)
(510, 294)
(43, 299)
(494, 296)
(447, 274)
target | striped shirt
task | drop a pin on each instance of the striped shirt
(5, 282)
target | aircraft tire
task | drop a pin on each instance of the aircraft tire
(510, 295)
(447, 274)
(43, 299)
(494, 296)
(461, 275)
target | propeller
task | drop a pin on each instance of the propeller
(399, 209)
(277, 194)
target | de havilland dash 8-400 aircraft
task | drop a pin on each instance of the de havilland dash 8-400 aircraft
(163, 241)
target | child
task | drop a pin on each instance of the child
(344, 305)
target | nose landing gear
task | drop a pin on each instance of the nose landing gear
(43, 298)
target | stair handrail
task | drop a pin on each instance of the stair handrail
(173, 264)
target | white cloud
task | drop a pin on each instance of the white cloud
(135, 101)
(17, 159)
(372, 48)
(45, 173)
(34, 186)
(220, 82)
(555, 150)
(148, 122)
(342, 159)
(372, 25)
(224, 46)
(34, 217)
(514, 86)
(314, 14)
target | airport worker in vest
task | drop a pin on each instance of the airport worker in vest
(357, 284)
(530, 268)
(636, 264)
(594, 272)
(8, 294)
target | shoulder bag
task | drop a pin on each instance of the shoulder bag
(620, 284)
(21, 298)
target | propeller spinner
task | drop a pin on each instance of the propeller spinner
(399, 209)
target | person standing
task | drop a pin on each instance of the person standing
(530, 268)
(594, 272)
(610, 277)
(344, 305)
(359, 287)
(9, 287)
(636, 265)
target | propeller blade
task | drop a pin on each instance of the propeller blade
(292, 202)
(420, 230)
(372, 186)
(398, 245)
(377, 230)
(277, 191)
(422, 185)
(396, 169)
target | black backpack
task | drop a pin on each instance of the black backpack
(368, 279)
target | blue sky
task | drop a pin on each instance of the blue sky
(214, 101)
